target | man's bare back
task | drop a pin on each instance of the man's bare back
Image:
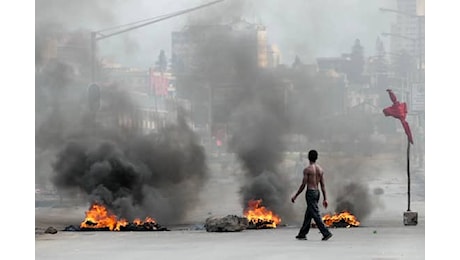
(314, 175)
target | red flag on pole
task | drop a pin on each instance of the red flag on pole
(399, 110)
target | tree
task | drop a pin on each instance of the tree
(162, 62)
(297, 63)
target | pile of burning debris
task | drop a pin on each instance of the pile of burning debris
(98, 218)
(255, 216)
(259, 217)
(343, 219)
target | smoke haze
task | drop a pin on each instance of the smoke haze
(305, 28)
(161, 174)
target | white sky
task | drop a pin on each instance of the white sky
(305, 28)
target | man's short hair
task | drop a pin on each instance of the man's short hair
(312, 155)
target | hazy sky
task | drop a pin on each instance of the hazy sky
(306, 28)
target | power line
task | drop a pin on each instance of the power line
(151, 20)
(97, 35)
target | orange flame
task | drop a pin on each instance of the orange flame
(256, 213)
(99, 217)
(344, 216)
(139, 222)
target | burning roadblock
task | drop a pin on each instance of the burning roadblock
(342, 219)
(99, 218)
(255, 216)
(259, 217)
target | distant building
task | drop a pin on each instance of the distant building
(191, 46)
(338, 64)
(130, 79)
(408, 32)
(352, 64)
(67, 51)
(407, 46)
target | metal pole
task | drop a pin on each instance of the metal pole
(408, 175)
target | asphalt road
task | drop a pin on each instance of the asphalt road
(390, 241)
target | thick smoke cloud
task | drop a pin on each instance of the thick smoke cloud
(157, 175)
(254, 109)
(259, 124)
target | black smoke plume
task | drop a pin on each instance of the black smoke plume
(355, 198)
(157, 175)
(259, 124)
(248, 99)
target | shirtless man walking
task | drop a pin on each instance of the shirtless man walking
(313, 175)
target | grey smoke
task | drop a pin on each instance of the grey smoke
(260, 116)
(259, 122)
(157, 175)
(355, 198)
(255, 112)
(348, 188)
